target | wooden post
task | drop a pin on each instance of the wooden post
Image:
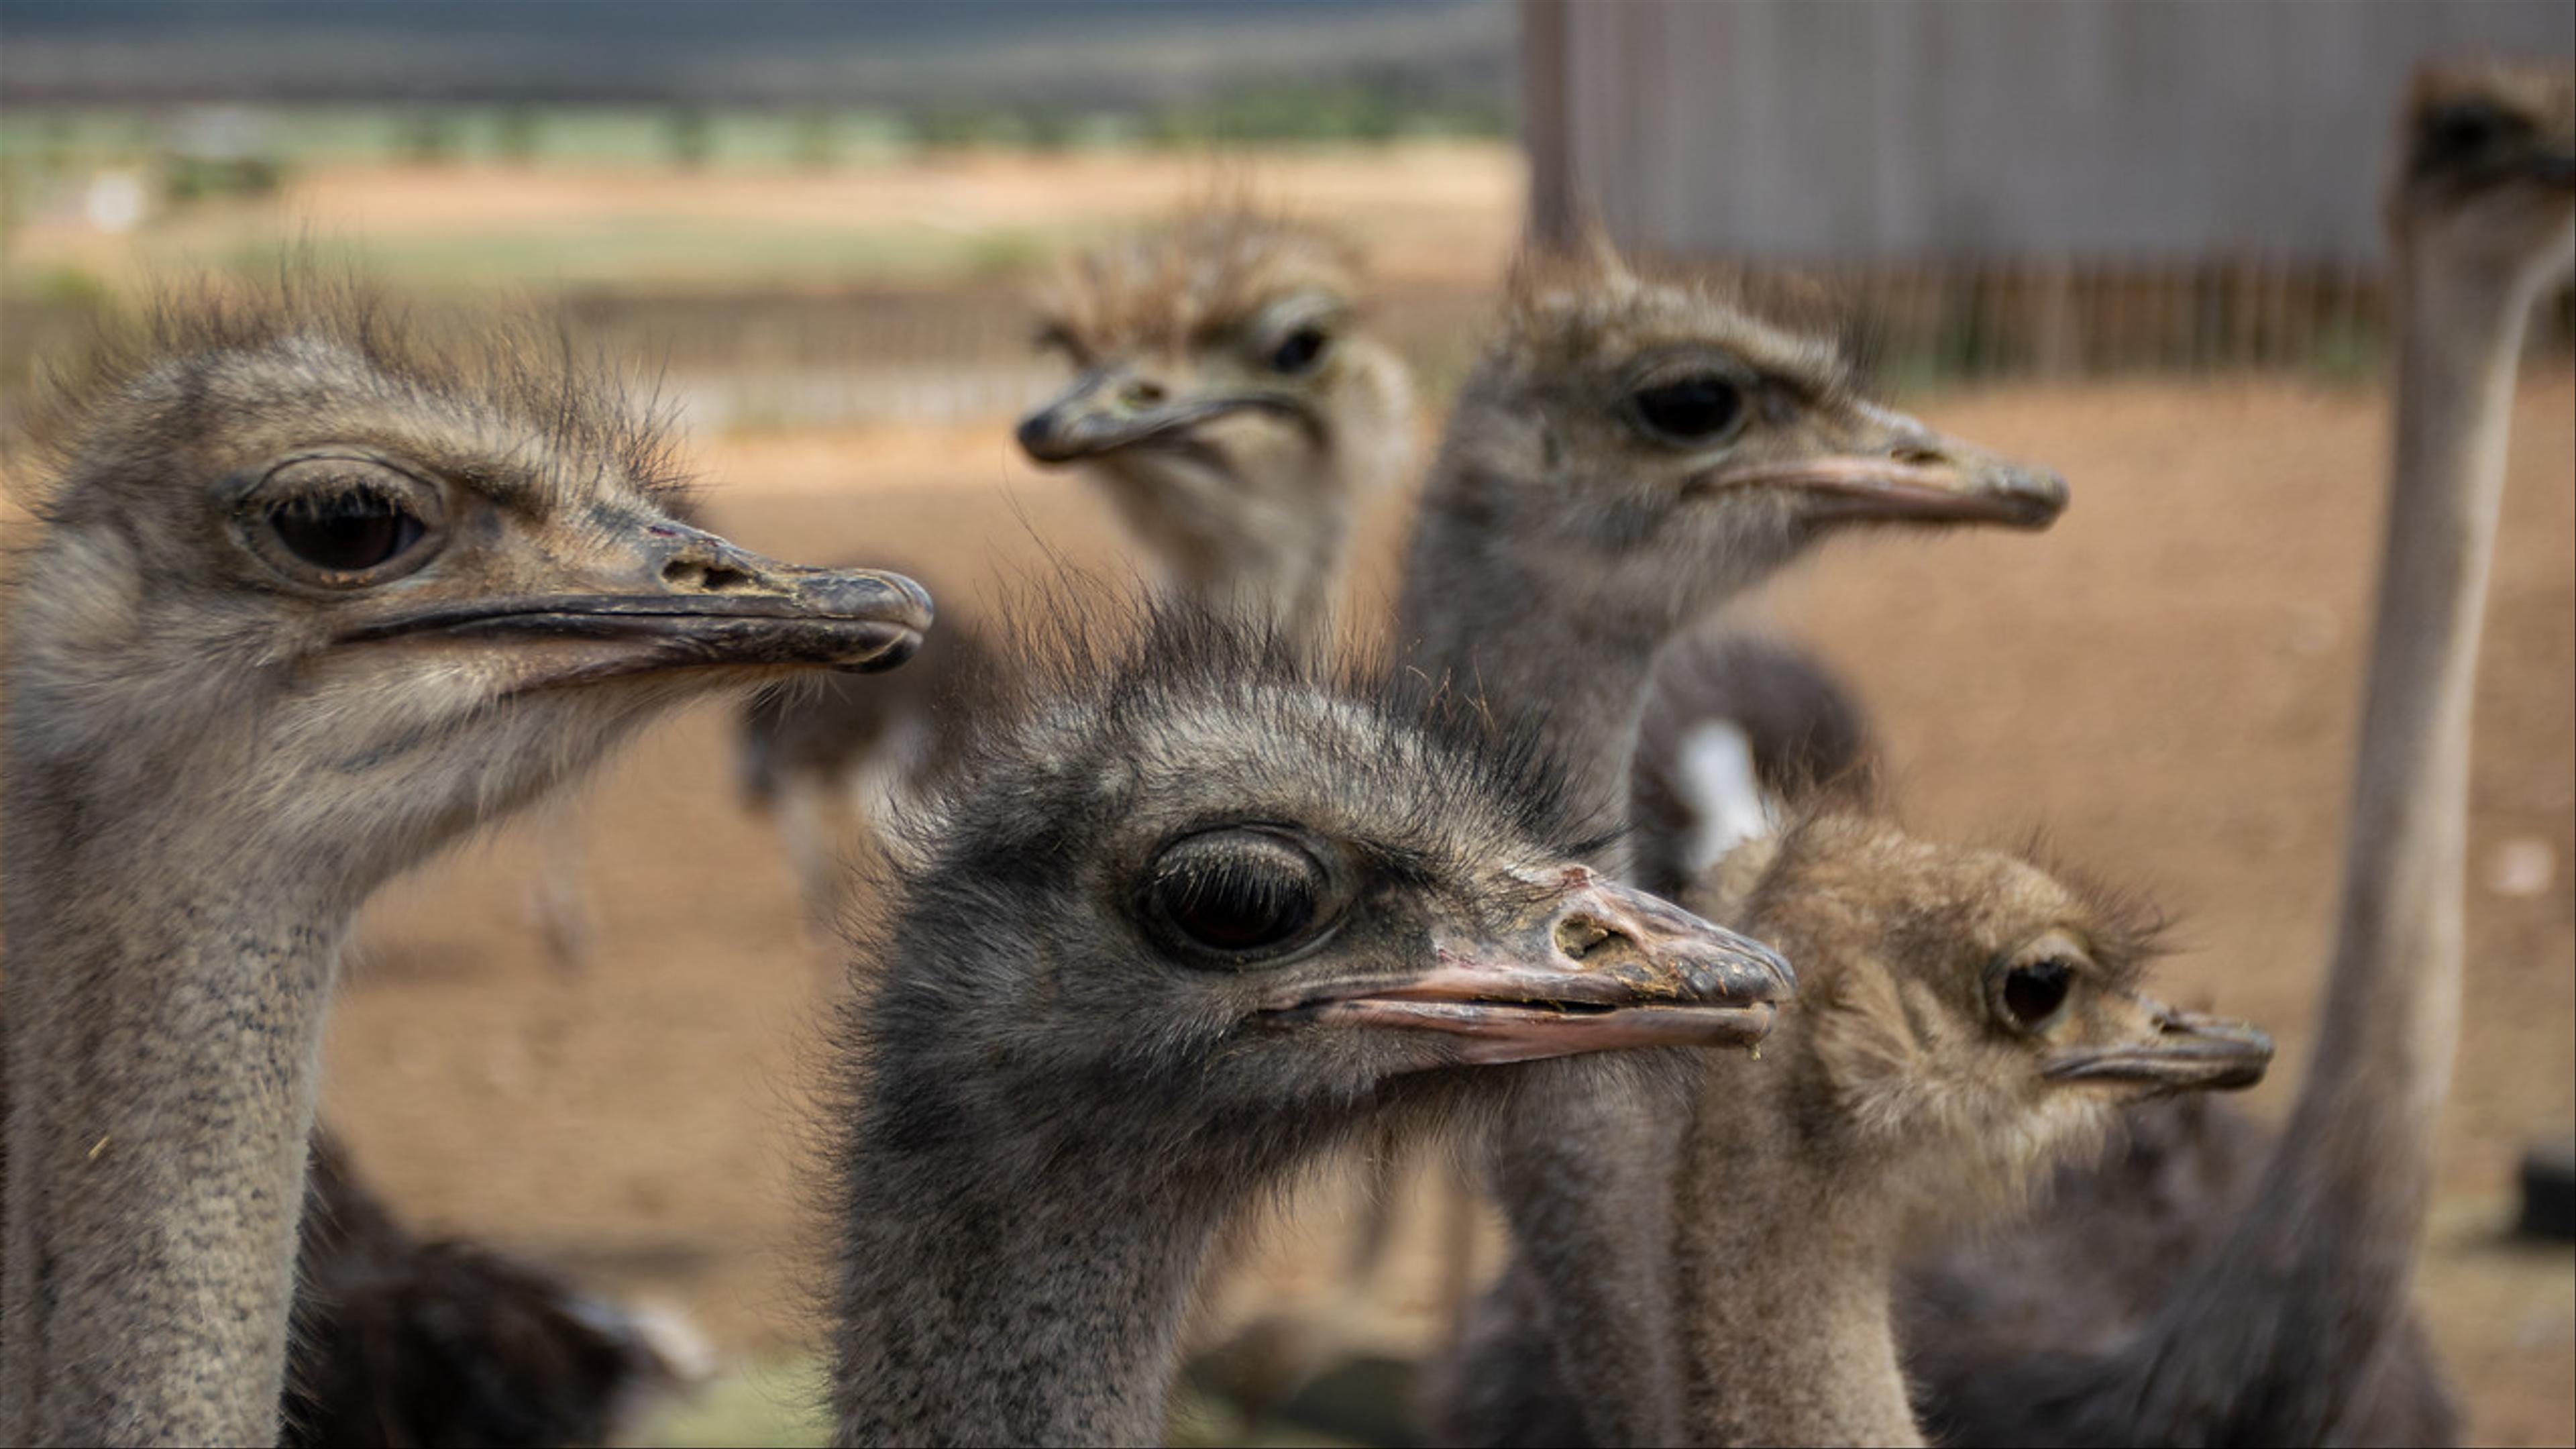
(1546, 121)
(2057, 342)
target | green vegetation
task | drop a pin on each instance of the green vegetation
(69, 287)
(2350, 351)
(774, 1402)
(779, 1401)
(50, 141)
(1350, 111)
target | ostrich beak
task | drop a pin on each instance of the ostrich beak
(1111, 408)
(2191, 1052)
(1588, 966)
(1894, 468)
(674, 598)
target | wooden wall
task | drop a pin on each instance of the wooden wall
(1917, 131)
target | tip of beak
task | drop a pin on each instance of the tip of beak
(1038, 437)
(2035, 496)
(1760, 975)
(2192, 1053)
(876, 595)
(894, 611)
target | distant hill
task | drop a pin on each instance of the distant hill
(1115, 54)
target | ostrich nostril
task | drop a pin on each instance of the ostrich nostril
(705, 578)
(1920, 456)
(1581, 936)
(1142, 393)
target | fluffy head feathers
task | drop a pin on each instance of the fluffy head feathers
(1172, 288)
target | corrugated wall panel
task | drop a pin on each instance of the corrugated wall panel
(1872, 130)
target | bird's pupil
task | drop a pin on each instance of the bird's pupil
(1691, 410)
(2465, 128)
(347, 531)
(2033, 993)
(1299, 350)
(1235, 891)
(1235, 905)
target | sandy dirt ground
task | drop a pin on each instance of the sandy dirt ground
(2167, 682)
(1425, 208)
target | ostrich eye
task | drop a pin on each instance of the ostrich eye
(2035, 990)
(1691, 410)
(1055, 337)
(1300, 350)
(345, 532)
(2458, 132)
(337, 519)
(1235, 892)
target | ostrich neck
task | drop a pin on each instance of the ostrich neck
(163, 1028)
(1581, 1161)
(2315, 1275)
(1267, 545)
(2391, 1000)
(1287, 578)
(1039, 1303)
(1497, 628)
(1783, 1274)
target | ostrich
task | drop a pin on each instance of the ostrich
(1736, 727)
(400, 1341)
(1965, 1018)
(1229, 405)
(1185, 916)
(2276, 1306)
(312, 598)
(1628, 453)
(1236, 417)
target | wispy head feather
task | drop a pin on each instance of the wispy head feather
(150, 375)
(1197, 275)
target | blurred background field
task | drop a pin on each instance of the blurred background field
(820, 236)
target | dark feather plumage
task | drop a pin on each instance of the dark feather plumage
(1806, 732)
(400, 1341)
(2031, 1338)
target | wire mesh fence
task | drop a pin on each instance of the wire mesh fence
(801, 359)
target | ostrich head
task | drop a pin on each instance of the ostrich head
(2487, 169)
(1225, 395)
(304, 573)
(1190, 886)
(1652, 446)
(1967, 1018)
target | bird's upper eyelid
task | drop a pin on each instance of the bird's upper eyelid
(1056, 337)
(2058, 943)
(264, 486)
(1671, 365)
